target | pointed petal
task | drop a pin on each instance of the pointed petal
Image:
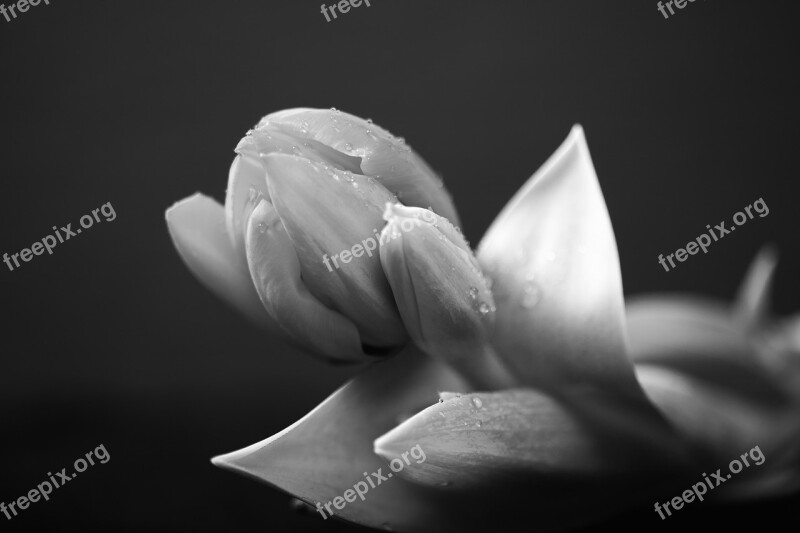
(387, 158)
(197, 227)
(327, 451)
(443, 297)
(327, 212)
(753, 301)
(487, 439)
(552, 256)
(276, 273)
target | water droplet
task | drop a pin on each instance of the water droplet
(348, 177)
(251, 195)
(355, 185)
(369, 121)
(531, 294)
(484, 308)
(478, 424)
(296, 150)
(473, 292)
(348, 147)
(304, 127)
(262, 227)
(489, 282)
(477, 402)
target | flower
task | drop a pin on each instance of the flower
(307, 185)
(561, 404)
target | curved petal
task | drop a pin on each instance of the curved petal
(327, 451)
(552, 256)
(442, 296)
(753, 301)
(328, 213)
(700, 338)
(247, 184)
(490, 439)
(387, 158)
(275, 271)
(728, 424)
(197, 227)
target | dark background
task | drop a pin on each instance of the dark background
(111, 340)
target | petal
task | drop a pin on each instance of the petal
(275, 271)
(663, 328)
(197, 227)
(247, 183)
(387, 158)
(753, 301)
(490, 439)
(722, 420)
(699, 338)
(327, 213)
(552, 256)
(327, 451)
(443, 297)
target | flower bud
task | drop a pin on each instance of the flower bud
(444, 299)
(331, 217)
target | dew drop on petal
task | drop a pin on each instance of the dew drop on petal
(348, 147)
(531, 294)
(477, 402)
(484, 308)
(473, 292)
(478, 424)
(262, 227)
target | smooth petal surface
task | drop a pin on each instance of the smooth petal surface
(197, 227)
(383, 156)
(728, 424)
(442, 296)
(702, 339)
(275, 271)
(326, 213)
(552, 256)
(328, 450)
(490, 439)
(247, 184)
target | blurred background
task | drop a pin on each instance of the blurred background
(111, 340)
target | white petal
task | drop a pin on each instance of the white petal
(197, 227)
(553, 259)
